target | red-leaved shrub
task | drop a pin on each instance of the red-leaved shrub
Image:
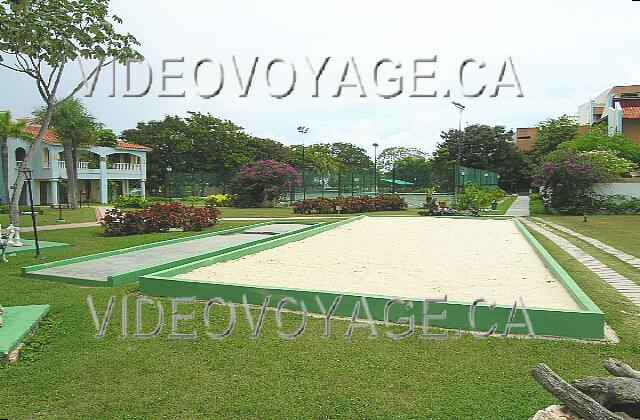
(159, 217)
(349, 205)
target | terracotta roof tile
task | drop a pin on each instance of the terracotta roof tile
(125, 145)
(631, 112)
(50, 137)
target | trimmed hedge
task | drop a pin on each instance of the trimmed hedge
(350, 205)
(159, 218)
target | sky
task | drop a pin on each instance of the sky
(563, 53)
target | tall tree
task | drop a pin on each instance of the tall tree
(9, 128)
(597, 138)
(389, 156)
(551, 133)
(414, 169)
(39, 38)
(75, 126)
(167, 138)
(488, 148)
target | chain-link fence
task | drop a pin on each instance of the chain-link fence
(446, 180)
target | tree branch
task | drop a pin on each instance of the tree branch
(575, 400)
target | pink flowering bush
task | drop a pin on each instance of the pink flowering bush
(260, 184)
(566, 183)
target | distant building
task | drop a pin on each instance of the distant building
(124, 166)
(617, 107)
(525, 138)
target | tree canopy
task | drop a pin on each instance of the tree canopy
(489, 148)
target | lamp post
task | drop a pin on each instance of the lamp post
(486, 178)
(169, 169)
(462, 173)
(28, 175)
(303, 130)
(375, 167)
(60, 218)
(458, 156)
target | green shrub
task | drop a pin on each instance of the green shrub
(477, 197)
(536, 204)
(4, 209)
(131, 202)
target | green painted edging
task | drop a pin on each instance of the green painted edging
(586, 324)
(559, 273)
(548, 322)
(252, 248)
(19, 321)
(136, 248)
(132, 276)
(30, 246)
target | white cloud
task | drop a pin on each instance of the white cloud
(562, 52)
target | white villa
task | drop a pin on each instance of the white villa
(98, 166)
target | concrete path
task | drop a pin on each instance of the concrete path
(100, 269)
(621, 255)
(626, 287)
(520, 207)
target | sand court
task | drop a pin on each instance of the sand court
(406, 257)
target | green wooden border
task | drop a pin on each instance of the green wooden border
(132, 276)
(587, 323)
(19, 321)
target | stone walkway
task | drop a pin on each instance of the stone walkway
(623, 256)
(626, 287)
(519, 208)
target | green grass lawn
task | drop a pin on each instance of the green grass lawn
(503, 206)
(613, 262)
(66, 372)
(85, 214)
(621, 231)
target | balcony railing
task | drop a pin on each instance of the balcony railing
(80, 165)
(126, 166)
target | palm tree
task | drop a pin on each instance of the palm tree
(9, 128)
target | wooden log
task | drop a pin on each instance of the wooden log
(619, 368)
(575, 400)
(614, 393)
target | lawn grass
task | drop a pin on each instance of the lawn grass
(613, 262)
(503, 206)
(619, 231)
(49, 216)
(66, 372)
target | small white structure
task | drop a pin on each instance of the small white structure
(629, 187)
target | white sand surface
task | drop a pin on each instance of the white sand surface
(408, 257)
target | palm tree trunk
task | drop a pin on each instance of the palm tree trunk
(72, 174)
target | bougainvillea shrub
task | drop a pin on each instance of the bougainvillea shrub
(350, 205)
(159, 217)
(566, 184)
(260, 184)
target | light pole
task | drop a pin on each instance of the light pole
(28, 177)
(458, 157)
(303, 130)
(166, 193)
(375, 167)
